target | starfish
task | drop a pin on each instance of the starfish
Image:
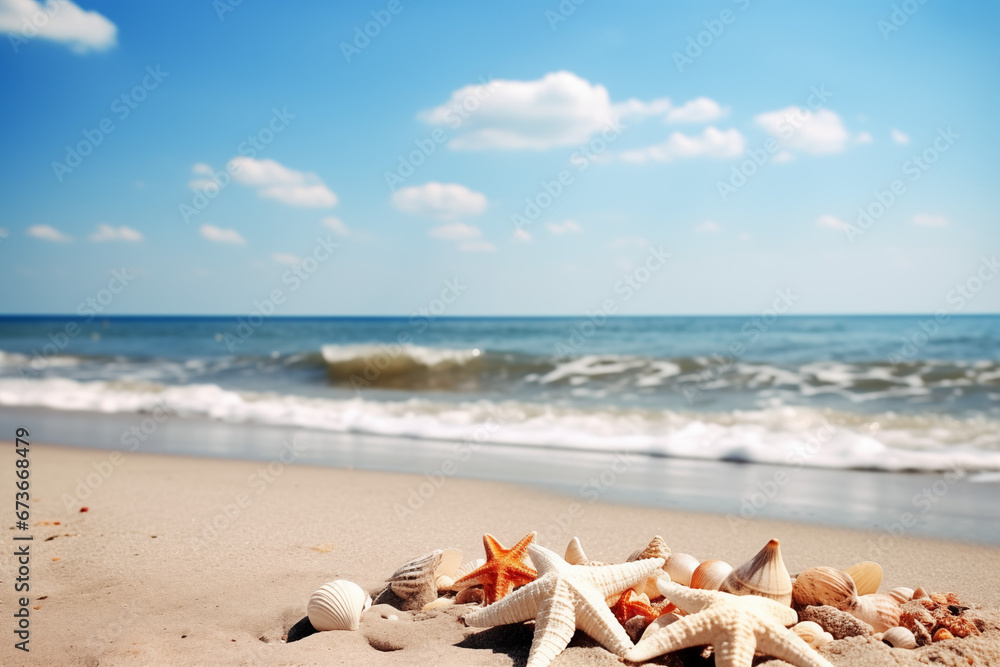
(563, 598)
(630, 604)
(735, 625)
(503, 571)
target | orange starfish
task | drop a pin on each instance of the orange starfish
(630, 604)
(504, 569)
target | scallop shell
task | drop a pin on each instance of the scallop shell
(867, 577)
(710, 574)
(901, 594)
(879, 611)
(451, 560)
(808, 631)
(466, 569)
(338, 606)
(765, 575)
(898, 637)
(824, 585)
(680, 567)
(415, 580)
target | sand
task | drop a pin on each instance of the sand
(142, 577)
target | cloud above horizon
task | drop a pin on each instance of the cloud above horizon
(220, 235)
(63, 22)
(48, 233)
(271, 179)
(106, 232)
(444, 201)
(799, 129)
(712, 142)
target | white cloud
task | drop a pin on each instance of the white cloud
(48, 233)
(276, 181)
(712, 142)
(58, 21)
(456, 231)
(698, 110)
(220, 235)
(337, 225)
(929, 220)
(864, 137)
(832, 222)
(108, 233)
(285, 258)
(782, 157)
(633, 108)
(476, 246)
(564, 227)
(803, 130)
(444, 201)
(522, 235)
(899, 137)
(201, 168)
(707, 227)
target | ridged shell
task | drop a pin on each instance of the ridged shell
(451, 560)
(466, 569)
(765, 575)
(416, 577)
(901, 594)
(680, 567)
(824, 585)
(879, 611)
(899, 638)
(808, 631)
(657, 548)
(710, 574)
(867, 577)
(338, 606)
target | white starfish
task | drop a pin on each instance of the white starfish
(735, 625)
(563, 598)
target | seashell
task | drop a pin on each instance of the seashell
(710, 574)
(656, 548)
(660, 622)
(943, 634)
(809, 631)
(451, 560)
(574, 552)
(898, 637)
(818, 586)
(444, 582)
(867, 577)
(440, 603)
(765, 575)
(680, 567)
(471, 595)
(415, 581)
(824, 638)
(879, 611)
(466, 569)
(338, 606)
(918, 593)
(901, 594)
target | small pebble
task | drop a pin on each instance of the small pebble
(392, 617)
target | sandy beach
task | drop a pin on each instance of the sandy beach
(163, 569)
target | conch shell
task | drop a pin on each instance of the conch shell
(824, 586)
(879, 611)
(338, 606)
(765, 575)
(710, 574)
(867, 577)
(899, 637)
(681, 567)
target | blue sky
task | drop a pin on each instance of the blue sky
(608, 89)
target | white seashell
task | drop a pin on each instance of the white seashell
(710, 574)
(574, 552)
(879, 611)
(901, 594)
(440, 603)
(825, 638)
(444, 582)
(680, 567)
(338, 606)
(899, 637)
(660, 622)
(867, 577)
(765, 575)
(824, 586)
(451, 560)
(808, 631)
(467, 568)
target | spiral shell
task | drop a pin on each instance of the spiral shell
(710, 574)
(765, 575)
(899, 637)
(681, 567)
(867, 577)
(338, 606)
(824, 585)
(901, 594)
(879, 611)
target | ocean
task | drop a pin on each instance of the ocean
(899, 393)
